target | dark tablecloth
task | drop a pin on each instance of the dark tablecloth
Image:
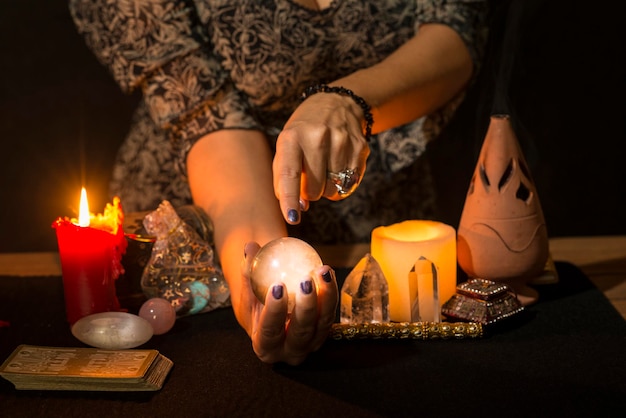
(565, 357)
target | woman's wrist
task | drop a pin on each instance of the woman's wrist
(365, 107)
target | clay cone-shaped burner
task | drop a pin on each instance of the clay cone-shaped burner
(502, 233)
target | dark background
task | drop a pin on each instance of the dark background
(555, 66)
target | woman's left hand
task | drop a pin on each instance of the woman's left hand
(321, 148)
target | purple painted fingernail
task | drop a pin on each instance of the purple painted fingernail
(292, 215)
(277, 292)
(306, 286)
(327, 276)
(304, 205)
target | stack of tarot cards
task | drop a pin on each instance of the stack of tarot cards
(32, 367)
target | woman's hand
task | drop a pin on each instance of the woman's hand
(276, 335)
(324, 135)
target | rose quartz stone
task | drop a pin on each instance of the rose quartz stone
(159, 313)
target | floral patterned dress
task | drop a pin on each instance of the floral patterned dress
(206, 65)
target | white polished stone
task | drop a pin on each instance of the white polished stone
(112, 330)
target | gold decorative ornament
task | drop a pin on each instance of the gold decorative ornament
(407, 331)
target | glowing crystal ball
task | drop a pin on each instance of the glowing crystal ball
(159, 313)
(288, 260)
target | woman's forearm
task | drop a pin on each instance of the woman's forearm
(419, 77)
(230, 178)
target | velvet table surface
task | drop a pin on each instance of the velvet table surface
(565, 356)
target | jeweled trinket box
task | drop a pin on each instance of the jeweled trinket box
(482, 301)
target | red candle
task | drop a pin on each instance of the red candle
(91, 249)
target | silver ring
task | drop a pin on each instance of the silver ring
(344, 181)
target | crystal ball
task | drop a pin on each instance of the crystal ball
(112, 330)
(288, 260)
(159, 313)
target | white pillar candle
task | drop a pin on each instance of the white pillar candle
(397, 248)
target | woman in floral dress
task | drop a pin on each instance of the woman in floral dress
(223, 124)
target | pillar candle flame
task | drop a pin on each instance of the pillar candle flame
(83, 213)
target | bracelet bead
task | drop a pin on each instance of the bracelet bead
(367, 110)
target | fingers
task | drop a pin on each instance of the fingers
(313, 144)
(328, 299)
(249, 251)
(308, 326)
(274, 341)
(342, 184)
(269, 337)
(303, 322)
(287, 168)
(342, 180)
(313, 315)
(333, 169)
(304, 205)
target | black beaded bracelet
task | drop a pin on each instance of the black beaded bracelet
(367, 110)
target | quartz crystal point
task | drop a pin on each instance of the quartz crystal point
(365, 294)
(424, 292)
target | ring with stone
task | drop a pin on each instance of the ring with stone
(344, 181)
